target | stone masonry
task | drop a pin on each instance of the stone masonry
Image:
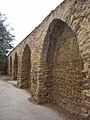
(53, 61)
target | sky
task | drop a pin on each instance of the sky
(24, 15)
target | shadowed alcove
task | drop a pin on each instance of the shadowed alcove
(10, 66)
(25, 67)
(61, 66)
(15, 67)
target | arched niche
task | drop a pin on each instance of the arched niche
(61, 66)
(10, 66)
(26, 67)
(15, 67)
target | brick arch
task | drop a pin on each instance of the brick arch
(26, 67)
(15, 67)
(61, 66)
(10, 66)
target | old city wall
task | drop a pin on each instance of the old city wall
(54, 60)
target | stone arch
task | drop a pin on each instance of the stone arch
(26, 67)
(15, 67)
(10, 66)
(61, 66)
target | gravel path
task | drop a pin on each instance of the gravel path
(14, 105)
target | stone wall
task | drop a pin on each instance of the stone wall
(54, 59)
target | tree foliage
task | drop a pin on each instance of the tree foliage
(6, 38)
